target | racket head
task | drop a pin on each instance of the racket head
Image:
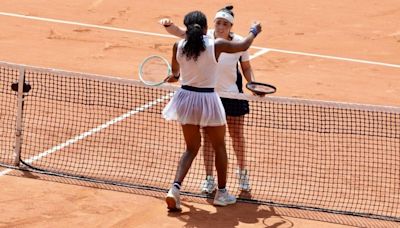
(154, 70)
(260, 88)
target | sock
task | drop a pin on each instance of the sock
(242, 171)
(177, 185)
(223, 190)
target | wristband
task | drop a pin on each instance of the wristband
(254, 31)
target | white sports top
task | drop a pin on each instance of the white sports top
(200, 73)
(226, 70)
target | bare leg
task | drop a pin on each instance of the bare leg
(208, 154)
(217, 138)
(236, 131)
(192, 137)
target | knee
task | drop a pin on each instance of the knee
(220, 148)
(193, 149)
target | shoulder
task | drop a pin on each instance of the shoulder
(179, 42)
(210, 33)
(220, 41)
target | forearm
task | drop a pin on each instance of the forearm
(248, 74)
(247, 70)
(235, 46)
(246, 42)
(176, 31)
(222, 45)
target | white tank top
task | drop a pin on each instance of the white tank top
(202, 72)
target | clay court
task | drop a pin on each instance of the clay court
(331, 51)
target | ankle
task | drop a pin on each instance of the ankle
(177, 185)
(222, 190)
(242, 171)
(209, 177)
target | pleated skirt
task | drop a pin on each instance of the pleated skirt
(196, 108)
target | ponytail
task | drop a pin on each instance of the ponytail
(195, 23)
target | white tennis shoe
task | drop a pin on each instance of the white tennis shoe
(244, 181)
(173, 199)
(223, 198)
(208, 185)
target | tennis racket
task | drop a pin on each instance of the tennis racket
(260, 88)
(154, 70)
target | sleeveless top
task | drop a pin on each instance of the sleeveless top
(202, 72)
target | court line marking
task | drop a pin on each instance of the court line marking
(336, 58)
(93, 130)
(170, 36)
(260, 52)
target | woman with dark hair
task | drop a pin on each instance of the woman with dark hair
(229, 80)
(196, 105)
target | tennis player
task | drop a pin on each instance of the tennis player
(229, 80)
(196, 104)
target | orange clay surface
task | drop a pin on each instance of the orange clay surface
(318, 32)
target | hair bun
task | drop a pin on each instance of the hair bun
(229, 7)
(194, 26)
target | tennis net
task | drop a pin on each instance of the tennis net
(314, 155)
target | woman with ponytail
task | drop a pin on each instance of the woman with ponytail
(229, 80)
(196, 105)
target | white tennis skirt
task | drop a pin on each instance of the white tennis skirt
(196, 108)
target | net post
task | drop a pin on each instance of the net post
(20, 106)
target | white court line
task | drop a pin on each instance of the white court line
(85, 25)
(170, 36)
(336, 58)
(92, 131)
(260, 52)
(4, 172)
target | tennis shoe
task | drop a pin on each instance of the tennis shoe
(208, 185)
(244, 181)
(223, 198)
(173, 199)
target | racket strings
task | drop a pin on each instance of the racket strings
(261, 88)
(154, 70)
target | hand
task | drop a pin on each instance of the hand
(258, 94)
(255, 28)
(166, 22)
(171, 78)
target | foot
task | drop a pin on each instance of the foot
(173, 199)
(208, 185)
(222, 198)
(244, 183)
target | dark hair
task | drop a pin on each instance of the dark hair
(195, 23)
(228, 9)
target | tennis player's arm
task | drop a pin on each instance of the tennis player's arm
(248, 74)
(172, 29)
(222, 45)
(247, 71)
(175, 74)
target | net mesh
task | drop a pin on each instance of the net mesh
(8, 110)
(335, 157)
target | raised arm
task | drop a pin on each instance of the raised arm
(222, 45)
(172, 29)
